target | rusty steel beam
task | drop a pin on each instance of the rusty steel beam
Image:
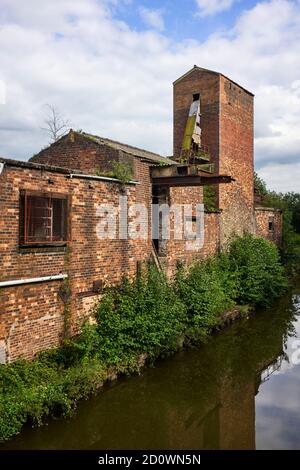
(191, 180)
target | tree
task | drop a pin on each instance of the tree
(260, 186)
(292, 200)
(56, 124)
(289, 203)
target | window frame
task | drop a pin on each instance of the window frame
(24, 194)
(271, 224)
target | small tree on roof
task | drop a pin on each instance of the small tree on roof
(55, 124)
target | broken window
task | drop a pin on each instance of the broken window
(43, 218)
(271, 224)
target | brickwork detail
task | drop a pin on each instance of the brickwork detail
(268, 224)
(26, 309)
(236, 159)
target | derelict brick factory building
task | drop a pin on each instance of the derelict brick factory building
(53, 265)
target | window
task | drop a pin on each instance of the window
(271, 224)
(43, 218)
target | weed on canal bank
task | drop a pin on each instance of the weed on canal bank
(148, 317)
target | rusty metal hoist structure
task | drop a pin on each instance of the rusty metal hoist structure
(192, 151)
(193, 167)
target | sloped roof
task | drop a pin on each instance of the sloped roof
(135, 151)
(213, 72)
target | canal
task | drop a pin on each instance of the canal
(239, 391)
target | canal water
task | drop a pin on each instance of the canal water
(239, 391)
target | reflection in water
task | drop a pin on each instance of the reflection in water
(278, 401)
(239, 391)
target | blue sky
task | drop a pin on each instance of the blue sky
(182, 20)
(108, 67)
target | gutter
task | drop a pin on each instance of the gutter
(101, 178)
(66, 171)
(32, 280)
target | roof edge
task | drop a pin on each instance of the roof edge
(97, 140)
(267, 209)
(34, 165)
(107, 141)
(91, 136)
(212, 72)
(69, 172)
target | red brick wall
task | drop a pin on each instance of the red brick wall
(76, 152)
(262, 217)
(32, 316)
(102, 159)
(143, 193)
(178, 253)
(236, 159)
(176, 249)
(227, 129)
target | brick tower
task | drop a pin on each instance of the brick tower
(227, 132)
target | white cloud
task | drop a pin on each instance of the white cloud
(112, 80)
(152, 18)
(2, 92)
(277, 123)
(281, 177)
(212, 7)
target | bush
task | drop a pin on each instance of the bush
(142, 316)
(31, 391)
(207, 289)
(256, 264)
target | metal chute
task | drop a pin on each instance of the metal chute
(192, 148)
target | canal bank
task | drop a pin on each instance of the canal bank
(238, 391)
(140, 320)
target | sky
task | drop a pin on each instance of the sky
(108, 67)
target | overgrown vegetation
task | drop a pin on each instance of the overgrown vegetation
(120, 170)
(143, 316)
(259, 275)
(146, 316)
(210, 199)
(207, 289)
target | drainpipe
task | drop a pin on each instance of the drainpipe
(101, 178)
(18, 282)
